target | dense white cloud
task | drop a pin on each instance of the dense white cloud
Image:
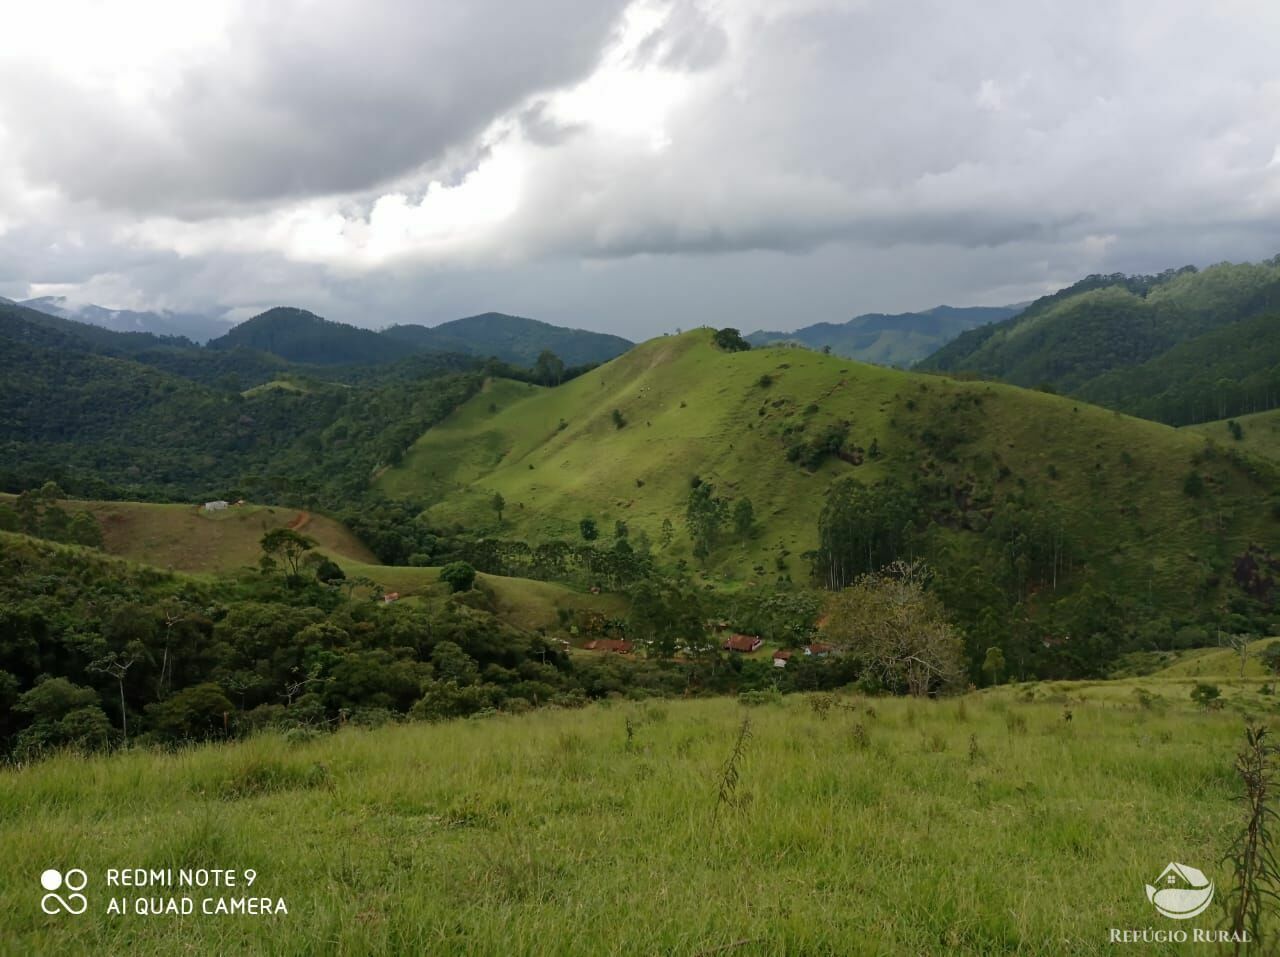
(630, 168)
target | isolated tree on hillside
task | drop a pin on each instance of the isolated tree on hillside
(459, 576)
(288, 546)
(898, 630)
(744, 517)
(666, 533)
(498, 503)
(587, 527)
(704, 515)
(993, 665)
(549, 369)
(730, 340)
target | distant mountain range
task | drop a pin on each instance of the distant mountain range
(188, 325)
(297, 335)
(301, 336)
(892, 340)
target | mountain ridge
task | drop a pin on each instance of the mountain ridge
(894, 339)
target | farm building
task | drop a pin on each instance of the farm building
(391, 596)
(781, 657)
(217, 506)
(818, 650)
(616, 645)
(743, 643)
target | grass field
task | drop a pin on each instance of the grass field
(988, 824)
(1261, 433)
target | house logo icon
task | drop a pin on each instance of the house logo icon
(1181, 892)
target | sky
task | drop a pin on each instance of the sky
(630, 167)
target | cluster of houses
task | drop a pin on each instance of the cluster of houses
(742, 644)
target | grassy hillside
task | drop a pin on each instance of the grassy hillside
(1183, 346)
(979, 826)
(185, 538)
(969, 449)
(1259, 433)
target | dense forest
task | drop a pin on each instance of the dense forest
(1183, 346)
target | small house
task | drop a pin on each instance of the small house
(781, 657)
(615, 645)
(217, 506)
(743, 643)
(818, 650)
(391, 596)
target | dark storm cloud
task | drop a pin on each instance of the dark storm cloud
(306, 100)
(774, 162)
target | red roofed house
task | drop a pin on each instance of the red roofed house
(743, 643)
(818, 650)
(615, 645)
(781, 657)
(390, 596)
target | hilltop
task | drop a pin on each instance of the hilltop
(1000, 484)
(899, 340)
(513, 339)
(1180, 347)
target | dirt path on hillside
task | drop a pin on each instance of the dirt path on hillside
(300, 521)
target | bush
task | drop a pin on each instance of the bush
(1205, 694)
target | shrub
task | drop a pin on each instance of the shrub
(1205, 694)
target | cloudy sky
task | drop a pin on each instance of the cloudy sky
(627, 166)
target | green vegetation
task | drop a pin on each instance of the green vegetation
(1180, 347)
(1257, 434)
(853, 825)
(1058, 532)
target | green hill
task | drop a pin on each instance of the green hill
(301, 336)
(1257, 434)
(1051, 503)
(511, 339)
(106, 425)
(1181, 347)
(891, 340)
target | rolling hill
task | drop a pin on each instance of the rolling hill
(890, 340)
(301, 336)
(984, 464)
(1181, 347)
(1257, 434)
(511, 339)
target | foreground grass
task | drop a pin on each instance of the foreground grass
(982, 825)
